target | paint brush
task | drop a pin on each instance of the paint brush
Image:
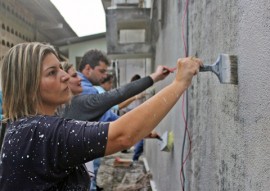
(167, 70)
(159, 138)
(167, 141)
(225, 68)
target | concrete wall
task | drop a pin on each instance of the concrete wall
(16, 26)
(229, 125)
(129, 67)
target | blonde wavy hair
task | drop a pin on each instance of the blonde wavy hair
(20, 78)
(66, 66)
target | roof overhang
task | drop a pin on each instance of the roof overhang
(48, 20)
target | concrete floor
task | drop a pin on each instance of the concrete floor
(132, 178)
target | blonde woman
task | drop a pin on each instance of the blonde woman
(45, 152)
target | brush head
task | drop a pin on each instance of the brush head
(227, 69)
(167, 141)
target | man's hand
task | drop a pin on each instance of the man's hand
(153, 135)
(161, 73)
(186, 69)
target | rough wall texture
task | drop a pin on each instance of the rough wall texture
(229, 125)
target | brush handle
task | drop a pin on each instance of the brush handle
(206, 68)
(211, 68)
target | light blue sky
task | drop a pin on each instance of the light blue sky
(85, 17)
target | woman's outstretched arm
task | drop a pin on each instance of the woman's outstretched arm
(138, 123)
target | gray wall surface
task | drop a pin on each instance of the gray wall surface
(229, 125)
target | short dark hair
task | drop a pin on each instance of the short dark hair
(135, 77)
(92, 57)
(107, 79)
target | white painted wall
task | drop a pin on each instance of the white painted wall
(78, 49)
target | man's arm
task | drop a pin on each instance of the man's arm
(91, 107)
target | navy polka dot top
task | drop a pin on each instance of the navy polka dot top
(48, 153)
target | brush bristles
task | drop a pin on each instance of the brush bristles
(225, 68)
(234, 69)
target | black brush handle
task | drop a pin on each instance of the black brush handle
(206, 68)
